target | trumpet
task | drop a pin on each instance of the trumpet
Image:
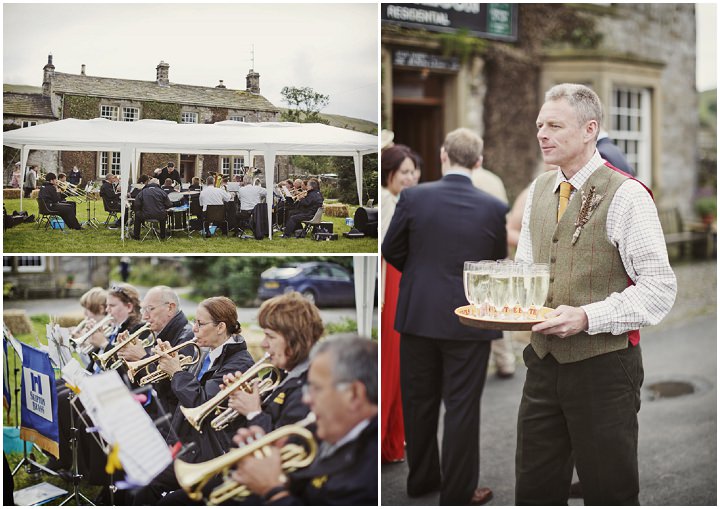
(108, 360)
(193, 477)
(300, 194)
(133, 368)
(195, 416)
(81, 344)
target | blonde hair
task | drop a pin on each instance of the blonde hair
(94, 300)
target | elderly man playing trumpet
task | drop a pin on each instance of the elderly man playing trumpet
(342, 393)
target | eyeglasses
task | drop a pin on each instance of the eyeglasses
(202, 324)
(150, 309)
(309, 389)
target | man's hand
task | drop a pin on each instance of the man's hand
(258, 474)
(563, 322)
(132, 352)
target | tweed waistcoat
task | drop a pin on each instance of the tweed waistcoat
(588, 271)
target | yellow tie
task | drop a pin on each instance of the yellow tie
(565, 189)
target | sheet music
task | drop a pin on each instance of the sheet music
(59, 348)
(122, 420)
(73, 373)
(13, 342)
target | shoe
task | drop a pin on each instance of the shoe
(481, 496)
(576, 490)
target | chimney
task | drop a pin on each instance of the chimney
(221, 85)
(82, 70)
(48, 75)
(163, 72)
(253, 82)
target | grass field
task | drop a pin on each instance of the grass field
(27, 238)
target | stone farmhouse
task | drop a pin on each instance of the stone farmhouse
(65, 95)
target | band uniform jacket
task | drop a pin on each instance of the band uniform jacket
(152, 202)
(283, 405)
(108, 193)
(436, 227)
(50, 195)
(310, 203)
(347, 477)
(192, 392)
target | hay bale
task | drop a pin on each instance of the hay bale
(10, 193)
(336, 210)
(34, 195)
(70, 320)
(17, 321)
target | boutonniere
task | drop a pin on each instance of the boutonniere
(590, 202)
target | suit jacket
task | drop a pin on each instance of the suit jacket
(192, 392)
(347, 477)
(612, 154)
(176, 331)
(436, 227)
(51, 196)
(152, 202)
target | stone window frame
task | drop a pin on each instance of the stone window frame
(636, 118)
(234, 162)
(109, 112)
(103, 164)
(237, 118)
(605, 73)
(25, 263)
(185, 115)
(28, 123)
(132, 118)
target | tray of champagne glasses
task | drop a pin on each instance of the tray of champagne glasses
(468, 315)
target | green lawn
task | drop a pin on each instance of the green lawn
(26, 238)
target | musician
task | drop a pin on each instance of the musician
(151, 203)
(161, 310)
(195, 185)
(168, 186)
(75, 177)
(56, 204)
(305, 208)
(142, 181)
(110, 195)
(215, 327)
(212, 195)
(168, 171)
(342, 392)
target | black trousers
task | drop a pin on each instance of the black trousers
(452, 372)
(583, 412)
(67, 212)
(138, 223)
(293, 222)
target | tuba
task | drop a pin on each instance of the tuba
(195, 416)
(133, 368)
(109, 360)
(193, 477)
(81, 343)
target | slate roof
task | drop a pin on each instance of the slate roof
(26, 105)
(137, 90)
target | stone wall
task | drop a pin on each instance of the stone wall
(665, 32)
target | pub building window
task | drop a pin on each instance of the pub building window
(109, 161)
(109, 112)
(189, 117)
(232, 162)
(237, 118)
(24, 263)
(131, 114)
(630, 128)
(28, 123)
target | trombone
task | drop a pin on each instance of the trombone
(133, 368)
(82, 345)
(195, 416)
(193, 477)
(108, 360)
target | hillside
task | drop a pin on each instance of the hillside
(356, 124)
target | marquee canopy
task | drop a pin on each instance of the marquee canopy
(131, 139)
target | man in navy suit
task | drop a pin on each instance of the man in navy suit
(436, 227)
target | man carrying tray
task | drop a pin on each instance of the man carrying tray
(609, 275)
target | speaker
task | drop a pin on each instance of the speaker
(366, 220)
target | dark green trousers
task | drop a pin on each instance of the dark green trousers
(582, 413)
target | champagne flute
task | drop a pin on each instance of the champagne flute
(500, 289)
(468, 274)
(539, 287)
(483, 271)
(521, 290)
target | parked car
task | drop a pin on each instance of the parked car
(322, 283)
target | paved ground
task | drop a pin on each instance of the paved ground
(678, 448)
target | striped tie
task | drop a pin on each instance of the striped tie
(565, 190)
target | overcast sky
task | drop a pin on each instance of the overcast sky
(706, 20)
(331, 48)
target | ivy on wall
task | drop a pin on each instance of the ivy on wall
(161, 111)
(218, 114)
(81, 106)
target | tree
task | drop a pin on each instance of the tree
(305, 105)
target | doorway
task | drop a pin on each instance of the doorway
(187, 166)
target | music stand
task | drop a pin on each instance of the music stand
(76, 475)
(91, 221)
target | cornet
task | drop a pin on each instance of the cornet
(105, 358)
(195, 416)
(192, 477)
(133, 368)
(81, 344)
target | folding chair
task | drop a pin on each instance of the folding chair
(112, 211)
(47, 215)
(313, 223)
(153, 226)
(214, 214)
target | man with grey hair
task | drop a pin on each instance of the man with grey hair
(151, 203)
(436, 227)
(609, 275)
(342, 392)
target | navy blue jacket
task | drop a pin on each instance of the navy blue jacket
(435, 228)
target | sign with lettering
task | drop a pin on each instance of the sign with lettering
(490, 21)
(38, 410)
(425, 60)
(38, 395)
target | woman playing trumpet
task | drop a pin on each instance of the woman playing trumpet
(215, 327)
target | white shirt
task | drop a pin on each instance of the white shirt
(213, 196)
(326, 448)
(634, 228)
(215, 352)
(251, 196)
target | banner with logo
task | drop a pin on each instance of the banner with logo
(38, 415)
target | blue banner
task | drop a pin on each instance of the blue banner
(7, 399)
(38, 415)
